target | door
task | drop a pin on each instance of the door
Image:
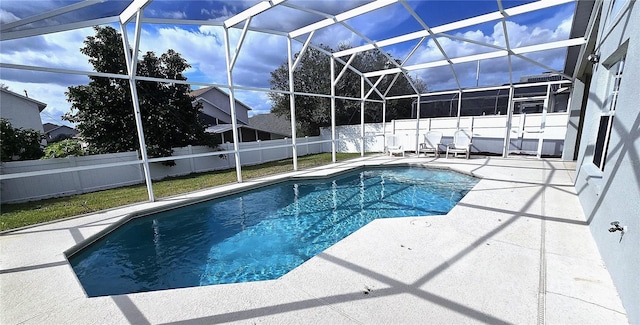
(526, 127)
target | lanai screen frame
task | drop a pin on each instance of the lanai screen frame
(242, 21)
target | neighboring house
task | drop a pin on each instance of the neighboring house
(55, 132)
(603, 136)
(215, 105)
(21, 111)
(216, 113)
(278, 126)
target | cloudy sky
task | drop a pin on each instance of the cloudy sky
(203, 46)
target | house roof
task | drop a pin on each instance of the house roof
(198, 93)
(200, 99)
(41, 105)
(272, 123)
(49, 127)
(221, 128)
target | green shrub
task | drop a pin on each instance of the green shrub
(23, 144)
(64, 148)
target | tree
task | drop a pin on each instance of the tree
(23, 144)
(313, 76)
(103, 109)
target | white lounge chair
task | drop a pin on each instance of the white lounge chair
(461, 144)
(431, 143)
(393, 145)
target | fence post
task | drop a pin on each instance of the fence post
(260, 159)
(472, 121)
(227, 155)
(286, 149)
(192, 163)
(75, 175)
(306, 138)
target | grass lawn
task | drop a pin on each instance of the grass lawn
(29, 213)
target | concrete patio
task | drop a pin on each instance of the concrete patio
(516, 249)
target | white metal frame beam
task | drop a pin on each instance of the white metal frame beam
(251, 12)
(49, 14)
(292, 104)
(240, 42)
(500, 48)
(232, 104)
(341, 17)
(455, 25)
(505, 31)
(332, 63)
(435, 40)
(303, 50)
(5, 36)
(482, 56)
(132, 62)
(132, 10)
(385, 54)
(362, 108)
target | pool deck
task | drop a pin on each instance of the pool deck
(516, 249)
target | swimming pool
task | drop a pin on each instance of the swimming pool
(260, 234)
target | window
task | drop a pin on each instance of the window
(602, 141)
(614, 9)
(606, 120)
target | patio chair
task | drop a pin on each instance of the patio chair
(461, 144)
(393, 145)
(431, 143)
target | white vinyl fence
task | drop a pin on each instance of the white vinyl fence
(125, 169)
(488, 133)
(46, 185)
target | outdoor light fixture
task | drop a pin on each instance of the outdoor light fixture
(593, 58)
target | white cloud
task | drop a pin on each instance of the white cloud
(494, 71)
(258, 101)
(58, 50)
(203, 48)
(7, 17)
(220, 14)
(50, 94)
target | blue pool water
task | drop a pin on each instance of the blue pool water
(259, 234)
